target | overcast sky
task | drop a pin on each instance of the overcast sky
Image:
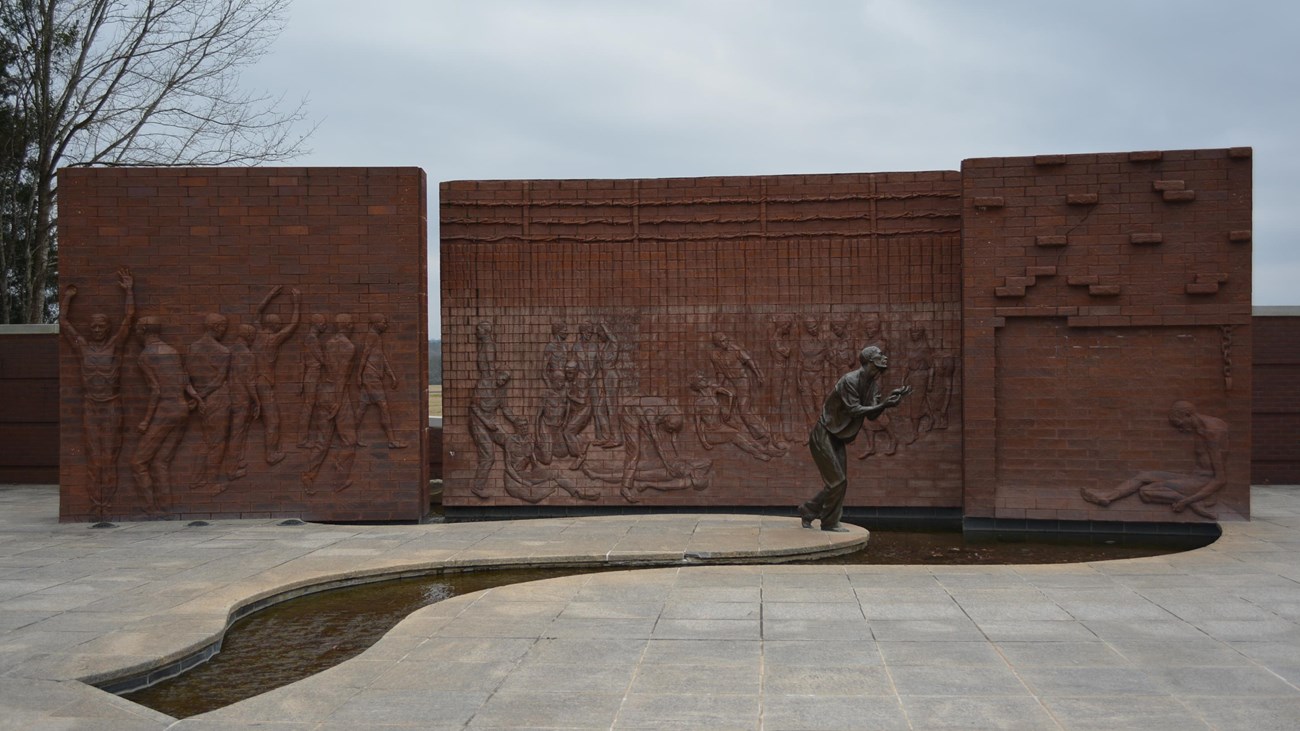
(482, 89)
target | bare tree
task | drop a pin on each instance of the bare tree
(127, 82)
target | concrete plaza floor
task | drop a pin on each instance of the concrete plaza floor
(1207, 639)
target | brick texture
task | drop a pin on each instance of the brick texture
(797, 272)
(1275, 456)
(202, 242)
(1068, 386)
(29, 420)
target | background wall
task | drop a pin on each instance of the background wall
(797, 272)
(29, 390)
(201, 241)
(1275, 456)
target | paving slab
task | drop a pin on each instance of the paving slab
(1205, 639)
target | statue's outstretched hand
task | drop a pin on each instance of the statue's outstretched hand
(896, 397)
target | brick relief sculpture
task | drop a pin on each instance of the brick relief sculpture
(208, 364)
(686, 335)
(1197, 490)
(99, 358)
(245, 406)
(376, 374)
(334, 394)
(171, 399)
(272, 333)
(225, 263)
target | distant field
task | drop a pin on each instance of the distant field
(435, 400)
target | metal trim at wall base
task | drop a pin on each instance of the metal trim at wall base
(1097, 531)
(896, 518)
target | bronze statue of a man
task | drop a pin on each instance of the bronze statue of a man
(856, 396)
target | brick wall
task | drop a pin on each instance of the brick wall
(1098, 290)
(1275, 454)
(231, 270)
(638, 279)
(29, 390)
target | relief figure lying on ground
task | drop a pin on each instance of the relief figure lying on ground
(1196, 491)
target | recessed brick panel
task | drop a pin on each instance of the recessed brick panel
(641, 277)
(1054, 405)
(237, 243)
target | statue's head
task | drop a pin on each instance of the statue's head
(147, 325)
(98, 327)
(378, 322)
(559, 330)
(721, 340)
(246, 333)
(698, 381)
(873, 356)
(503, 377)
(810, 324)
(343, 323)
(1182, 414)
(483, 330)
(216, 324)
(586, 329)
(671, 422)
(318, 323)
(271, 321)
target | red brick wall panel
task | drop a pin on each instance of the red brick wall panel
(1160, 287)
(201, 241)
(666, 264)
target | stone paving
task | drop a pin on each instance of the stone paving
(1207, 639)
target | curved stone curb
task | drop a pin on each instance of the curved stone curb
(256, 563)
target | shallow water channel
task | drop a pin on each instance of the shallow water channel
(291, 640)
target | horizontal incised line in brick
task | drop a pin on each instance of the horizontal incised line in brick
(587, 203)
(705, 237)
(690, 220)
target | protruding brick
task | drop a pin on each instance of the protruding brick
(1202, 288)
(1104, 290)
(1009, 292)
(1049, 159)
(1146, 239)
(1162, 185)
(1081, 199)
(990, 201)
(1179, 196)
(1082, 280)
(1044, 271)
(1239, 236)
(1240, 152)
(1020, 282)
(1146, 156)
(1050, 241)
